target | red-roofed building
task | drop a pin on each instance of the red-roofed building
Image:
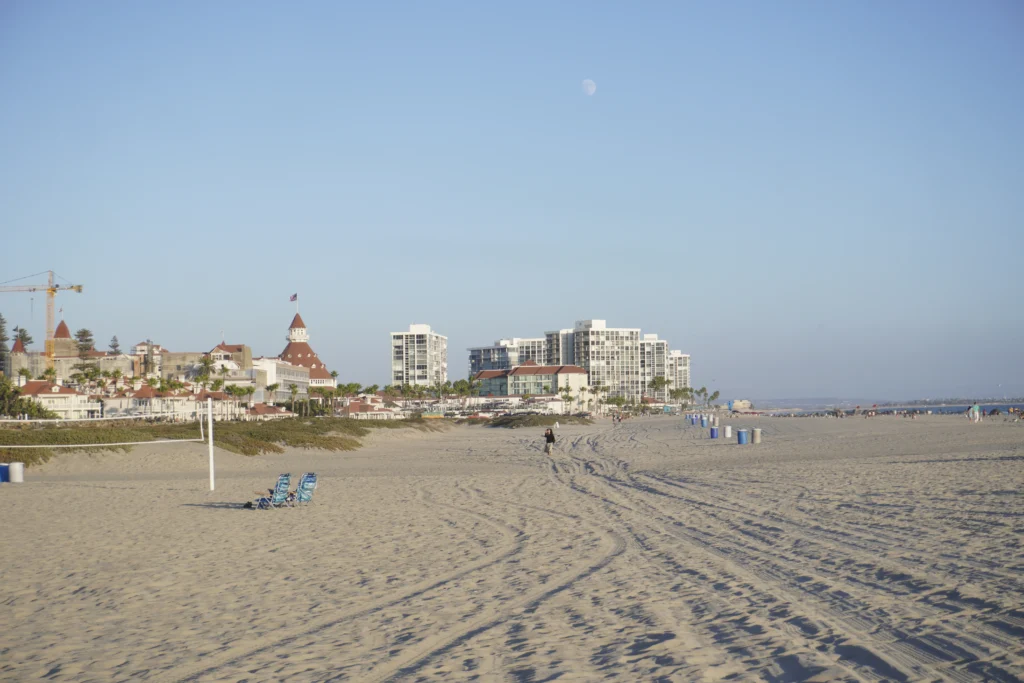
(65, 402)
(240, 354)
(530, 378)
(262, 412)
(299, 352)
(367, 409)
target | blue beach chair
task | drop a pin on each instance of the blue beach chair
(278, 497)
(307, 484)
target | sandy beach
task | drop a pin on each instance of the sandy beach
(856, 549)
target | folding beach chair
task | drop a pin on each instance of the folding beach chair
(278, 497)
(307, 484)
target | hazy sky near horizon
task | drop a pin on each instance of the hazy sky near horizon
(813, 199)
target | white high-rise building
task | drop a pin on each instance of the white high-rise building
(505, 354)
(653, 363)
(619, 358)
(677, 370)
(610, 355)
(419, 356)
(561, 347)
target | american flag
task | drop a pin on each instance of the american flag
(294, 297)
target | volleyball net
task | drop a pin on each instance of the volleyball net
(58, 434)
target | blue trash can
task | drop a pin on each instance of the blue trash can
(703, 422)
(714, 432)
(741, 436)
(5, 472)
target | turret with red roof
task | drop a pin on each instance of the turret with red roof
(299, 352)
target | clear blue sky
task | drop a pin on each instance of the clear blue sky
(812, 198)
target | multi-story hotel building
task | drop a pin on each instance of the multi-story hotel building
(532, 379)
(507, 353)
(561, 349)
(653, 363)
(419, 356)
(284, 375)
(677, 370)
(610, 355)
(618, 358)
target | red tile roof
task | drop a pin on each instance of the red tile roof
(62, 331)
(36, 387)
(530, 368)
(215, 395)
(319, 372)
(146, 391)
(230, 348)
(297, 322)
(360, 407)
(300, 353)
(18, 347)
(547, 370)
(264, 409)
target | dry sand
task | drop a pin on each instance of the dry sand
(837, 550)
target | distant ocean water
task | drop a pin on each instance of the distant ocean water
(942, 410)
(936, 410)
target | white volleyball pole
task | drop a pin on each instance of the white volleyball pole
(209, 424)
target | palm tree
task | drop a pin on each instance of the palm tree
(659, 384)
(249, 391)
(294, 391)
(217, 384)
(116, 376)
(567, 398)
(205, 365)
(26, 373)
(372, 389)
(269, 393)
(596, 391)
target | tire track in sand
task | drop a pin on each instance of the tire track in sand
(408, 664)
(209, 665)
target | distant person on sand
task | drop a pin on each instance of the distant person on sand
(549, 441)
(976, 413)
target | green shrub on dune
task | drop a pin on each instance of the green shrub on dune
(245, 438)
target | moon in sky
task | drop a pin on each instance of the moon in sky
(589, 87)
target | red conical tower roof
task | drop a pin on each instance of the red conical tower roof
(297, 323)
(18, 347)
(62, 331)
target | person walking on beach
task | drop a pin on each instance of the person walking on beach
(976, 413)
(549, 441)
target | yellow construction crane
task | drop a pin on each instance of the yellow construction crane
(51, 290)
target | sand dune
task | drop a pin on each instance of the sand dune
(881, 549)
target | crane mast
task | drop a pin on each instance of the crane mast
(51, 289)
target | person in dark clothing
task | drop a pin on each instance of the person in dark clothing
(549, 441)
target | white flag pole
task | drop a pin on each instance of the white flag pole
(209, 424)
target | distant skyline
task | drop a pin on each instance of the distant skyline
(810, 199)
